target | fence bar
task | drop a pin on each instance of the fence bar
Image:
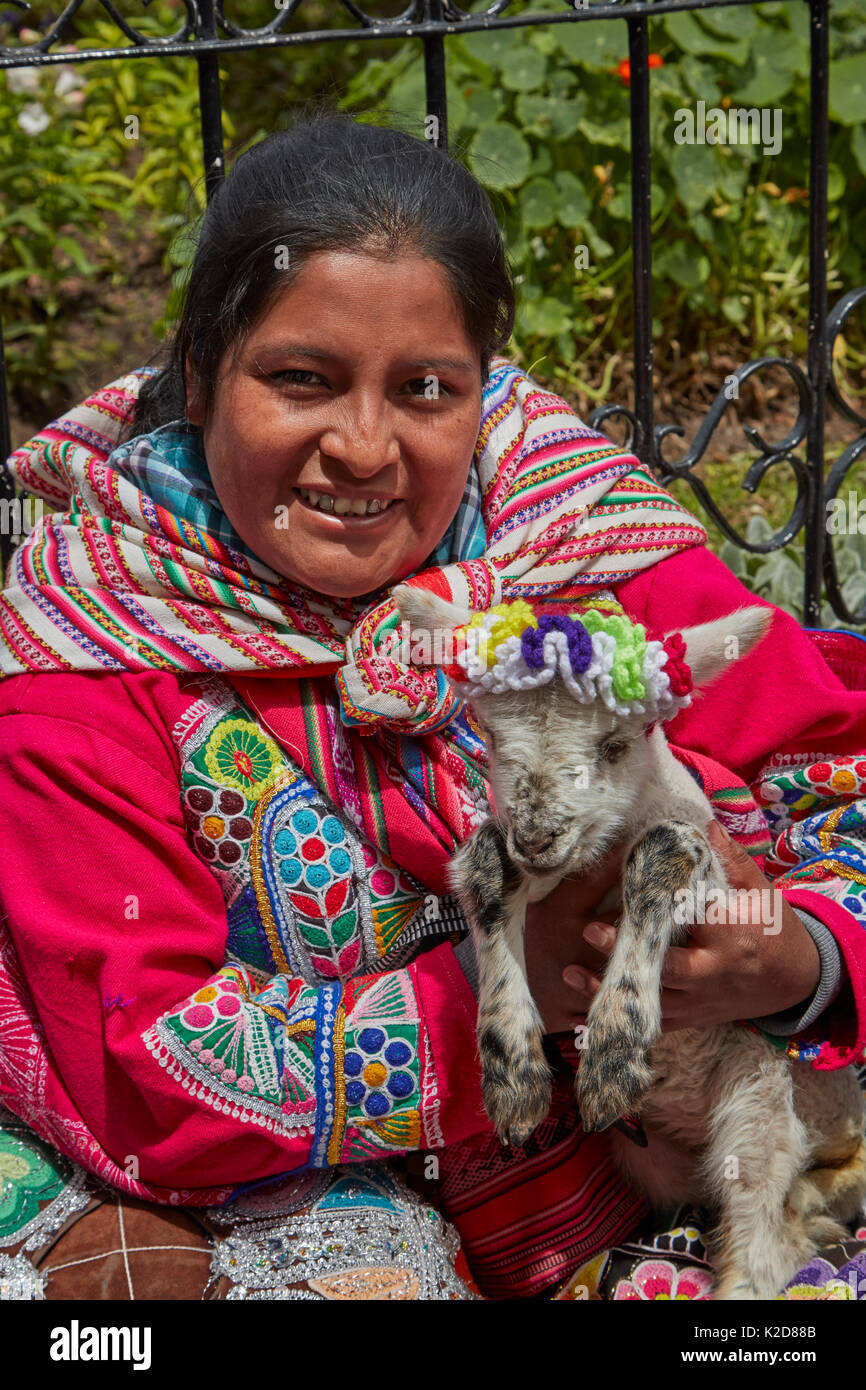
(641, 209)
(817, 365)
(210, 102)
(434, 75)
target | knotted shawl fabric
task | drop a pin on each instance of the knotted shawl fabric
(139, 568)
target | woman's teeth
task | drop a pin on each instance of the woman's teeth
(343, 506)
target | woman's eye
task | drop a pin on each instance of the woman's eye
(431, 388)
(612, 750)
(291, 374)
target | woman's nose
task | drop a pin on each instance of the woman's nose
(362, 439)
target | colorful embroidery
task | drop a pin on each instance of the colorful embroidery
(240, 755)
(30, 1175)
(274, 1038)
(816, 810)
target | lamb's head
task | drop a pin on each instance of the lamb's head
(568, 706)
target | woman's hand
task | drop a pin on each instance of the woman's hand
(735, 969)
(554, 941)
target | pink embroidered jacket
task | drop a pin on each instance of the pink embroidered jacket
(111, 920)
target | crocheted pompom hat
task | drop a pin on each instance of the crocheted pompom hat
(597, 650)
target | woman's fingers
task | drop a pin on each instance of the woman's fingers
(600, 934)
(583, 983)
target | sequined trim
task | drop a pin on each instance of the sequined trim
(367, 1236)
(19, 1281)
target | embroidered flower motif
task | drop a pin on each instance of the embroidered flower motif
(379, 1072)
(239, 755)
(659, 1279)
(821, 1281)
(218, 823)
(27, 1179)
(312, 859)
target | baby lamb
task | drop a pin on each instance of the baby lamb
(572, 708)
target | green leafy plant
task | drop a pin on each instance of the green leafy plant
(778, 574)
(543, 118)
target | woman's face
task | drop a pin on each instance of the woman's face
(343, 428)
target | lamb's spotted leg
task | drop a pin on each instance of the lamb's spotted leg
(624, 1019)
(515, 1074)
(769, 1216)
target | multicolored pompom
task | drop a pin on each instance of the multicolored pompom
(597, 650)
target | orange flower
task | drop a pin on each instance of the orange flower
(655, 60)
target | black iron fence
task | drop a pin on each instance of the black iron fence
(205, 32)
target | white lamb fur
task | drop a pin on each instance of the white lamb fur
(774, 1148)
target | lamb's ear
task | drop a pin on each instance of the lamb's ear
(427, 612)
(712, 647)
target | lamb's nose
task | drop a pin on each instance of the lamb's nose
(529, 848)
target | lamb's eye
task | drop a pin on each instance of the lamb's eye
(612, 750)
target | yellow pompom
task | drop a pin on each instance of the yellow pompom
(514, 619)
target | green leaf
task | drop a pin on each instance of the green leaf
(858, 146)
(482, 105)
(701, 78)
(854, 592)
(549, 116)
(772, 70)
(692, 37)
(523, 70)
(619, 205)
(594, 43)
(29, 217)
(696, 172)
(491, 46)
(566, 347)
(548, 318)
(76, 254)
(848, 89)
(597, 244)
(733, 175)
(615, 132)
(12, 277)
(409, 92)
(732, 23)
(836, 183)
(573, 201)
(680, 263)
(500, 157)
(542, 160)
(735, 558)
(126, 82)
(539, 201)
(758, 529)
(733, 308)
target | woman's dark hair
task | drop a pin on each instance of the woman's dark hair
(329, 183)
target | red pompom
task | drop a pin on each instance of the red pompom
(677, 668)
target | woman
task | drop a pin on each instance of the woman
(234, 978)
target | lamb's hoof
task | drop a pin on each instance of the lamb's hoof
(612, 1079)
(516, 1099)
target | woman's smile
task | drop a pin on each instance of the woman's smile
(346, 508)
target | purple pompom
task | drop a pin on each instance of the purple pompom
(576, 635)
